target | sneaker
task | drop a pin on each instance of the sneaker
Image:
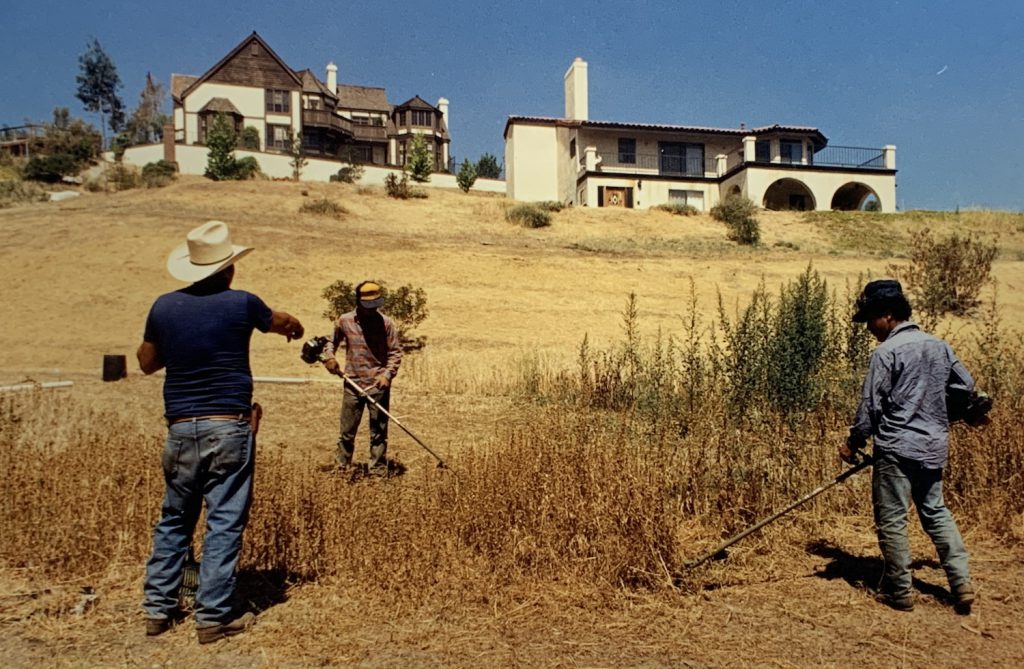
(904, 603)
(963, 598)
(157, 626)
(211, 633)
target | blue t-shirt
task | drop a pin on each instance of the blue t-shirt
(202, 336)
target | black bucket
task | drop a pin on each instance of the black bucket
(115, 367)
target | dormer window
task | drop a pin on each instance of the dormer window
(422, 118)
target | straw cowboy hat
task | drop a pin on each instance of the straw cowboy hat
(208, 250)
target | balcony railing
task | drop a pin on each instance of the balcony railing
(369, 131)
(661, 164)
(855, 157)
(322, 118)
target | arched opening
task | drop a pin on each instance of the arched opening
(735, 190)
(855, 196)
(788, 195)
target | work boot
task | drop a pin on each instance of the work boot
(903, 603)
(211, 633)
(157, 626)
(963, 598)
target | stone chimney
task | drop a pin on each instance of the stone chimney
(442, 104)
(332, 78)
(576, 91)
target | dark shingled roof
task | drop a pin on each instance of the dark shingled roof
(365, 98)
(416, 102)
(221, 105)
(310, 84)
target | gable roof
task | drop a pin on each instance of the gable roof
(816, 135)
(367, 98)
(310, 84)
(254, 37)
(416, 102)
(221, 105)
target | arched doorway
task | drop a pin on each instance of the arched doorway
(734, 191)
(855, 196)
(788, 195)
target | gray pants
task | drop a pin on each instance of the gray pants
(895, 482)
(351, 413)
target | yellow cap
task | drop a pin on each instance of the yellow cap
(369, 291)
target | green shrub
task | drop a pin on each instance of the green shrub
(528, 216)
(466, 176)
(678, 209)
(158, 174)
(51, 168)
(349, 174)
(421, 162)
(739, 215)
(323, 207)
(246, 168)
(400, 188)
(249, 139)
(405, 305)
(946, 275)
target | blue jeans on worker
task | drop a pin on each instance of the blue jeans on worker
(895, 482)
(209, 460)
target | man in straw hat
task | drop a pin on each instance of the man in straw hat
(372, 357)
(903, 408)
(200, 334)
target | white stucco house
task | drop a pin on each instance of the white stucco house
(579, 161)
(254, 87)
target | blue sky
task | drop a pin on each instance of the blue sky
(942, 80)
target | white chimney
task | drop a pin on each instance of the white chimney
(442, 104)
(576, 91)
(332, 78)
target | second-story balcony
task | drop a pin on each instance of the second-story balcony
(323, 118)
(663, 164)
(369, 132)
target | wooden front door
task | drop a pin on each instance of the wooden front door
(614, 197)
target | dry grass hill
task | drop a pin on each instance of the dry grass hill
(504, 303)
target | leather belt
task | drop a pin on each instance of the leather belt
(194, 419)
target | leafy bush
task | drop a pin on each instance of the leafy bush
(50, 168)
(18, 192)
(946, 275)
(246, 168)
(221, 164)
(249, 139)
(323, 207)
(528, 216)
(678, 209)
(739, 215)
(405, 305)
(466, 176)
(349, 174)
(158, 174)
(400, 188)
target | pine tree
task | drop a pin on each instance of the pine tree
(97, 87)
(220, 163)
(487, 167)
(466, 176)
(420, 163)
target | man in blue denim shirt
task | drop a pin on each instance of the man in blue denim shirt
(903, 407)
(201, 335)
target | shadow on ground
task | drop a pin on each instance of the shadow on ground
(866, 572)
(261, 589)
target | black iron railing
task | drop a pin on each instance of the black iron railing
(855, 157)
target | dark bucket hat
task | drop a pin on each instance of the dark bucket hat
(876, 297)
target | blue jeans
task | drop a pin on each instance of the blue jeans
(209, 460)
(894, 483)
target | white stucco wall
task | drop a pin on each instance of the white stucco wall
(192, 160)
(607, 144)
(531, 162)
(822, 184)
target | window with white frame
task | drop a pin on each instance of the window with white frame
(278, 137)
(278, 101)
(694, 198)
